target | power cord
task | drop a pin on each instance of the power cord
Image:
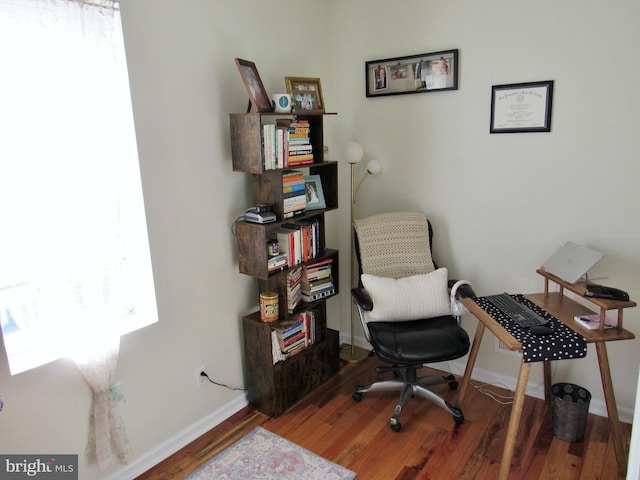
(482, 388)
(233, 225)
(229, 387)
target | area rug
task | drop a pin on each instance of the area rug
(265, 455)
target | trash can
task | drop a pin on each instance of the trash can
(569, 410)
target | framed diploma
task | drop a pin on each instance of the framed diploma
(521, 107)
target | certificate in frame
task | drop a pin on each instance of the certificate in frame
(521, 107)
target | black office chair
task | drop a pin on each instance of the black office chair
(405, 303)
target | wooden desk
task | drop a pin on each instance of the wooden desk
(564, 309)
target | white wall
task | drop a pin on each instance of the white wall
(501, 204)
(579, 181)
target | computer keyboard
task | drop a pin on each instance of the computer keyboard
(519, 313)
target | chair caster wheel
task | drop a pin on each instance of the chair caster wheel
(357, 396)
(453, 385)
(459, 420)
(396, 426)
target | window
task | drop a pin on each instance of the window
(74, 253)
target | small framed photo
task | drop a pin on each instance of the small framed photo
(252, 82)
(521, 107)
(314, 192)
(306, 94)
(427, 72)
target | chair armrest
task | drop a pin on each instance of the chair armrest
(362, 298)
(463, 291)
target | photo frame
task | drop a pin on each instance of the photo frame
(253, 83)
(314, 193)
(423, 73)
(521, 107)
(306, 94)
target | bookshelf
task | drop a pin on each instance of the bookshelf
(274, 384)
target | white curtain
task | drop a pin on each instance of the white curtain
(108, 442)
(70, 196)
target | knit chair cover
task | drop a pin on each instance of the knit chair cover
(394, 245)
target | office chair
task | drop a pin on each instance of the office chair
(405, 306)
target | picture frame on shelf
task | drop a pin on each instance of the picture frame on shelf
(423, 73)
(314, 193)
(253, 83)
(521, 107)
(306, 93)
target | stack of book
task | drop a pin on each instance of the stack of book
(277, 263)
(291, 335)
(293, 195)
(317, 281)
(295, 142)
(294, 288)
(306, 238)
(314, 324)
(299, 241)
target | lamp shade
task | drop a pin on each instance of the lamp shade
(353, 152)
(374, 166)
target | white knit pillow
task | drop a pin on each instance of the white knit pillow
(408, 298)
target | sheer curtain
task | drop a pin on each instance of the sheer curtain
(76, 266)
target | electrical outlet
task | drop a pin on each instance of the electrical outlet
(200, 379)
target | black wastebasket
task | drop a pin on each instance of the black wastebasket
(569, 410)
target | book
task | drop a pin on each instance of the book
(278, 262)
(592, 322)
(287, 122)
(317, 296)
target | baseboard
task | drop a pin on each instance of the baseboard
(156, 455)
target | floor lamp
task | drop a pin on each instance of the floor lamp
(353, 153)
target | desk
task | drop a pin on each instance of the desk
(564, 309)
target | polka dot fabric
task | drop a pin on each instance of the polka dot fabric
(563, 344)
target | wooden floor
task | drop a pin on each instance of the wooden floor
(430, 446)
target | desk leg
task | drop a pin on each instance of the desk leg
(546, 368)
(514, 420)
(475, 346)
(612, 409)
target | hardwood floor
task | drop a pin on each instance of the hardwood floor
(430, 446)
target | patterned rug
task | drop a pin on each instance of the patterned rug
(264, 455)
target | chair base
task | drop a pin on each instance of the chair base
(410, 386)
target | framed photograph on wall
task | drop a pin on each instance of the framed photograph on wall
(314, 193)
(427, 72)
(252, 82)
(306, 94)
(521, 107)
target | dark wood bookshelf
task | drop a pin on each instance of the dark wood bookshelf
(274, 387)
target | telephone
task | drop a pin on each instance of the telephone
(260, 214)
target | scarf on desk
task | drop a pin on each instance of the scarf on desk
(563, 344)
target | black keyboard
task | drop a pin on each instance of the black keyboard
(517, 312)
